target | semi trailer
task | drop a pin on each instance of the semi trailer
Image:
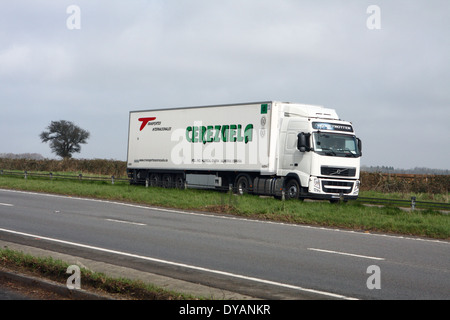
(270, 148)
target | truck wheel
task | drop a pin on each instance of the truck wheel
(292, 189)
(242, 185)
(155, 180)
(179, 181)
(167, 181)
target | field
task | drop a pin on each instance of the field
(352, 215)
(406, 183)
(91, 166)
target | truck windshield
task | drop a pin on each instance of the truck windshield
(338, 145)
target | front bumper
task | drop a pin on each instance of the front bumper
(325, 188)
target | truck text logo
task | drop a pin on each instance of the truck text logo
(156, 124)
(225, 133)
(145, 121)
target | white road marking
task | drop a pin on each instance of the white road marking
(6, 205)
(346, 254)
(127, 222)
(223, 273)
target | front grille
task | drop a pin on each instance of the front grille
(337, 186)
(338, 172)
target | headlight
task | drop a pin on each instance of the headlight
(356, 189)
(316, 185)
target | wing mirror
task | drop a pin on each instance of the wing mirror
(359, 146)
(303, 143)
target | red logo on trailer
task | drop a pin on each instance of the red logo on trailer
(145, 121)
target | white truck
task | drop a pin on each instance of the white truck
(271, 148)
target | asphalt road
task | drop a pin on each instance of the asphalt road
(7, 293)
(261, 259)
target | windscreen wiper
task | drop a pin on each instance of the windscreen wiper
(329, 151)
(350, 153)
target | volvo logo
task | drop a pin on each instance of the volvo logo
(338, 172)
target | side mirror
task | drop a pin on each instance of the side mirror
(359, 146)
(303, 142)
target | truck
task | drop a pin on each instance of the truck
(270, 148)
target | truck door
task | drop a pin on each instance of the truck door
(291, 155)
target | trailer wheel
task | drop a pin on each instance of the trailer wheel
(179, 181)
(167, 181)
(155, 180)
(243, 184)
(292, 189)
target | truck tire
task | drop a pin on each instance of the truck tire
(179, 181)
(167, 181)
(242, 184)
(292, 189)
(155, 180)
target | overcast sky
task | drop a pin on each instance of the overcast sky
(388, 73)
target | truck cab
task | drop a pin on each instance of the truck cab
(319, 154)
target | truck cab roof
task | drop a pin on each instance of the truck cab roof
(309, 111)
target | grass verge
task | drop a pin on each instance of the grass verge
(55, 270)
(420, 196)
(351, 215)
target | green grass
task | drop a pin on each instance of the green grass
(351, 215)
(55, 270)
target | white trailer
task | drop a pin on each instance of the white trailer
(267, 148)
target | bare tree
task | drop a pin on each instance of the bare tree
(65, 138)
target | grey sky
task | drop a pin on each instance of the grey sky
(392, 83)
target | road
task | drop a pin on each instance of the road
(6, 293)
(258, 258)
